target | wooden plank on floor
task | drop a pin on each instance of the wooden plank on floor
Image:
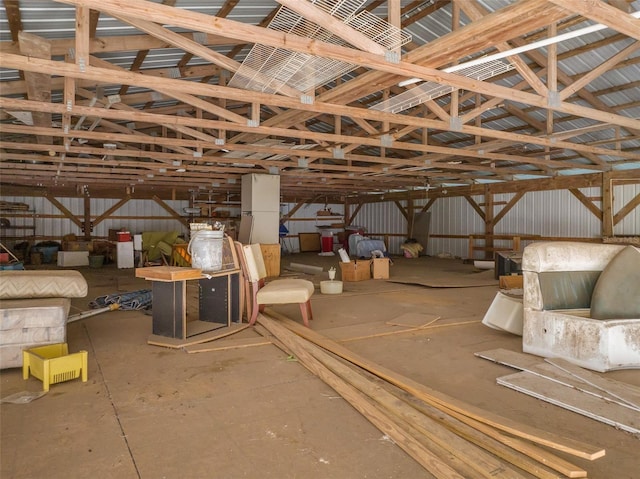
(353, 332)
(227, 344)
(625, 392)
(434, 458)
(176, 343)
(414, 320)
(568, 445)
(573, 400)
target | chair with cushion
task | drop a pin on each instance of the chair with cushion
(581, 303)
(278, 291)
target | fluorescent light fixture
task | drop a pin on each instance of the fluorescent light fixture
(523, 48)
(408, 82)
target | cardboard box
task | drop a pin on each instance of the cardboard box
(380, 268)
(511, 282)
(358, 270)
(76, 245)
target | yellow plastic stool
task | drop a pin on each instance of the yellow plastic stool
(53, 364)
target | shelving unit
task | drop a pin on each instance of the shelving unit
(12, 231)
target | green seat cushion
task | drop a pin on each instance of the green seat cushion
(617, 292)
(567, 289)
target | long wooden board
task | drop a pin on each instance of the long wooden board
(435, 460)
(546, 438)
(573, 400)
(176, 343)
(228, 344)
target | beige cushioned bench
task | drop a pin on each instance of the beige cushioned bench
(33, 309)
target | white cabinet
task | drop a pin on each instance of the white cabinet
(260, 193)
(260, 199)
(125, 254)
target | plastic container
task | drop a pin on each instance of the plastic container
(331, 287)
(327, 241)
(123, 236)
(205, 248)
(96, 261)
(53, 364)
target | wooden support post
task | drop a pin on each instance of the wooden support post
(88, 227)
(607, 206)
(488, 221)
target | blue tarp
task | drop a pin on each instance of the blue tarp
(133, 300)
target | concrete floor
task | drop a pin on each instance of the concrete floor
(152, 412)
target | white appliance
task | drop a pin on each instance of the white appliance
(260, 198)
(125, 254)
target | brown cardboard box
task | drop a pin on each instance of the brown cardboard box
(358, 270)
(381, 268)
(511, 282)
(77, 246)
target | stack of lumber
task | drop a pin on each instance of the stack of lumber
(449, 438)
(564, 384)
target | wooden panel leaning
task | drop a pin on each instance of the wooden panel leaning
(278, 291)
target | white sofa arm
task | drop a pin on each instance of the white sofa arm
(567, 256)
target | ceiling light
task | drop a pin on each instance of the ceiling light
(408, 82)
(181, 170)
(523, 48)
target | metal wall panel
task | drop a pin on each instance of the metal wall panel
(630, 225)
(305, 220)
(137, 216)
(556, 213)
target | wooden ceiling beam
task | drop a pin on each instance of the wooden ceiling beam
(13, 104)
(605, 66)
(14, 17)
(38, 83)
(601, 12)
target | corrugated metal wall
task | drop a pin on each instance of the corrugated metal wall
(630, 225)
(306, 220)
(556, 213)
(135, 215)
